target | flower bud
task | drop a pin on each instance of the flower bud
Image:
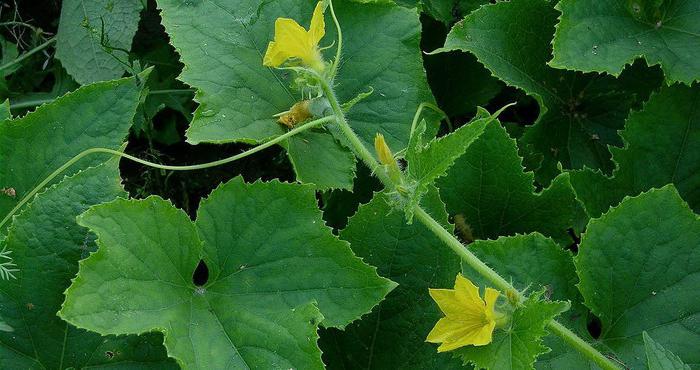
(299, 112)
(383, 151)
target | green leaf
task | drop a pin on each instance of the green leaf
(579, 113)
(97, 115)
(46, 245)
(393, 335)
(253, 311)
(5, 113)
(662, 146)
(639, 266)
(530, 261)
(659, 358)
(327, 271)
(427, 162)
(238, 96)
(308, 151)
(534, 262)
(84, 25)
(518, 345)
(488, 187)
(605, 35)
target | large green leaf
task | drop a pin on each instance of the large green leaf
(306, 152)
(274, 272)
(579, 113)
(605, 35)
(46, 245)
(639, 267)
(238, 95)
(518, 345)
(87, 24)
(393, 336)
(33, 146)
(488, 187)
(662, 146)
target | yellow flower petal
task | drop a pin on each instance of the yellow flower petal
(318, 26)
(293, 41)
(480, 336)
(467, 292)
(273, 56)
(491, 296)
(469, 319)
(446, 300)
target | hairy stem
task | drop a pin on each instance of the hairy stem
(450, 240)
(202, 166)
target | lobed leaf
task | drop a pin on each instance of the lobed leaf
(238, 96)
(606, 35)
(638, 266)
(33, 146)
(274, 272)
(492, 194)
(662, 147)
(579, 113)
(46, 245)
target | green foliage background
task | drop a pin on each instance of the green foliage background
(583, 194)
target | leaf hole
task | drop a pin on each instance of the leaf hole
(575, 241)
(594, 326)
(201, 274)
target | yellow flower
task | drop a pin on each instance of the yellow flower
(293, 41)
(468, 319)
(383, 151)
(387, 159)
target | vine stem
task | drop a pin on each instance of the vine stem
(450, 240)
(202, 166)
(28, 54)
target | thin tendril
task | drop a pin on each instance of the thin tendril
(338, 51)
(236, 157)
(419, 112)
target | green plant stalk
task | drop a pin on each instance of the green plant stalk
(450, 240)
(202, 166)
(28, 54)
